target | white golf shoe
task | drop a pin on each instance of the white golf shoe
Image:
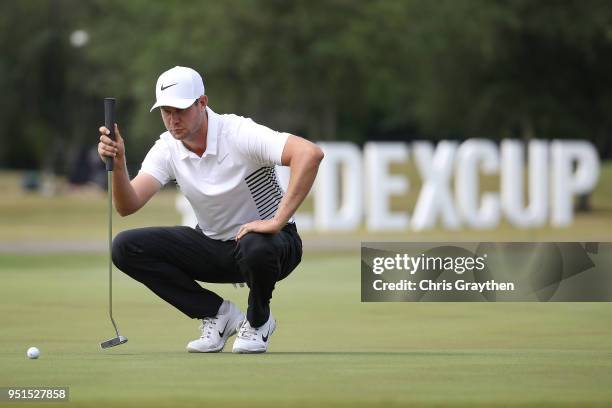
(216, 330)
(254, 339)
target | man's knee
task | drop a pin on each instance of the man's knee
(123, 249)
(255, 249)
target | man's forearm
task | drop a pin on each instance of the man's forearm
(124, 196)
(303, 173)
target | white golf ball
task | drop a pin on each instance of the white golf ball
(33, 352)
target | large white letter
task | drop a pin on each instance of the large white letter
(380, 185)
(512, 183)
(435, 197)
(567, 182)
(330, 214)
(472, 154)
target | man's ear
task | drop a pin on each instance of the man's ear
(204, 100)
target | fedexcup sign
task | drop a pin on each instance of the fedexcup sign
(537, 184)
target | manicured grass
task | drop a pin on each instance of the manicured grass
(329, 349)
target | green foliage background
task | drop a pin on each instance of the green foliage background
(323, 69)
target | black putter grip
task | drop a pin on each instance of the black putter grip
(109, 123)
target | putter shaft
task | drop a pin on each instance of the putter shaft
(119, 339)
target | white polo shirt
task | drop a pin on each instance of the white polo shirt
(234, 181)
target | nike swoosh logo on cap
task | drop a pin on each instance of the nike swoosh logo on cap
(168, 86)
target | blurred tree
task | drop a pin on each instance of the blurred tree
(324, 69)
(41, 76)
(516, 68)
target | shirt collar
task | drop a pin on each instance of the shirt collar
(211, 138)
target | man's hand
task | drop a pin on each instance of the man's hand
(263, 226)
(109, 148)
(129, 196)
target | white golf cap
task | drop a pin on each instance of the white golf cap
(178, 87)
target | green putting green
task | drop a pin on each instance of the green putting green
(329, 348)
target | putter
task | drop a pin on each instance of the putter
(109, 122)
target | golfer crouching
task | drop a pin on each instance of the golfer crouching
(224, 165)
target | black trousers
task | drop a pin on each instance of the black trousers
(169, 261)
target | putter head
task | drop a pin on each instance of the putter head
(113, 342)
